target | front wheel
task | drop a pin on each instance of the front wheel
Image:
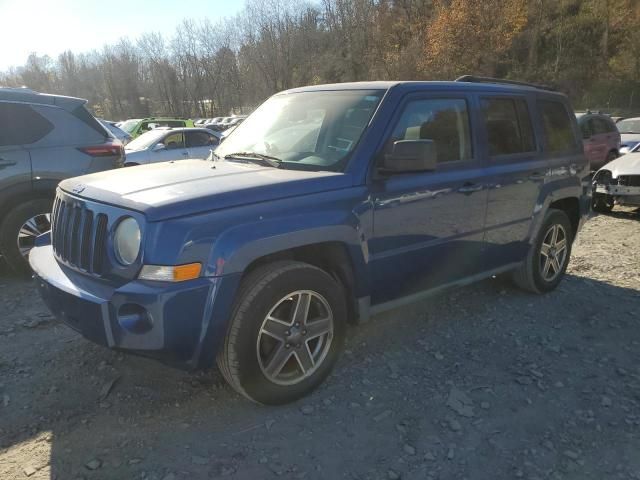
(602, 203)
(548, 256)
(286, 332)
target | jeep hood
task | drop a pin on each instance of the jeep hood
(187, 187)
(628, 164)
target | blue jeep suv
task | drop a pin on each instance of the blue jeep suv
(326, 206)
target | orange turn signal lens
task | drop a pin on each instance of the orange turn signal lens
(186, 272)
(166, 273)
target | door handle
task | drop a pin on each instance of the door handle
(468, 188)
(185, 154)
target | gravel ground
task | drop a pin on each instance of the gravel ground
(484, 382)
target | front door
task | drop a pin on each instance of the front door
(174, 148)
(428, 226)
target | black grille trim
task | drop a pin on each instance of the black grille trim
(79, 236)
(629, 180)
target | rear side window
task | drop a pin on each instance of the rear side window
(443, 121)
(21, 125)
(508, 125)
(173, 124)
(557, 126)
(200, 139)
(82, 114)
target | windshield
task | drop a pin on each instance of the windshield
(307, 130)
(629, 126)
(129, 125)
(146, 140)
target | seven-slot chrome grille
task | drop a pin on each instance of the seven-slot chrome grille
(79, 235)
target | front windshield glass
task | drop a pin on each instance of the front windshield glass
(307, 130)
(129, 125)
(146, 140)
(629, 126)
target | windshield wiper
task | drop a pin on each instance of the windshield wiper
(255, 157)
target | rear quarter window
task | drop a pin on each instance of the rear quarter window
(20, 124)
(557, 126)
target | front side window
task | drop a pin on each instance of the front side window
(21, 125)
(443, 121)
(508, 125)
(307, 130)
(173, 141)
(557, 127)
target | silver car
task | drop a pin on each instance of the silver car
(618, 183)
(165, 144)
(629, 129)
(43, 139)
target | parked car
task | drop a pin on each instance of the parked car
(43, 139)
(136, 126)
(117, 132)
(164, 144)
(377, 194)
(601, 138)
(618, 183)
(629, 129)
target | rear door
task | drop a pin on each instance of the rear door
(200, 144)
(21, 127)
(428, 226)
(15, 163)
(517, 174)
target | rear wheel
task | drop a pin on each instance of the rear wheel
(19, 230)
(548, 257)
(286, 333)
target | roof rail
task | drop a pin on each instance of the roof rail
(474, 79)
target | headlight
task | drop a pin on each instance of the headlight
(127, 241)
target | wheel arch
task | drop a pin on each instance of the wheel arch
(332, 257)
(571, 207)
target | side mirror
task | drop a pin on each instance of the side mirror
(410, 156)
(158, 147)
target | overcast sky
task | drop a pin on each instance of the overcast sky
(53, 26)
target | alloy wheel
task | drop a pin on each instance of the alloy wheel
(30, 230)
(553, 252)
(295, 337)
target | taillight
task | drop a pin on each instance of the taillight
(105, 150)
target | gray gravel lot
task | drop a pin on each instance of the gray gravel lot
(484, 382)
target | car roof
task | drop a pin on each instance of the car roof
(27, 95)
(630, 118)
(161, 119)
(181, 129)
(410, 86)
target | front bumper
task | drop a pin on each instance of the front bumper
(172, 322)
(622, 194)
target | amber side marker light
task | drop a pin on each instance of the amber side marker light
(170, 273)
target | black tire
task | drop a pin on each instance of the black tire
(602, 203)
(529, 275)
(10, 227)
(259, 292)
